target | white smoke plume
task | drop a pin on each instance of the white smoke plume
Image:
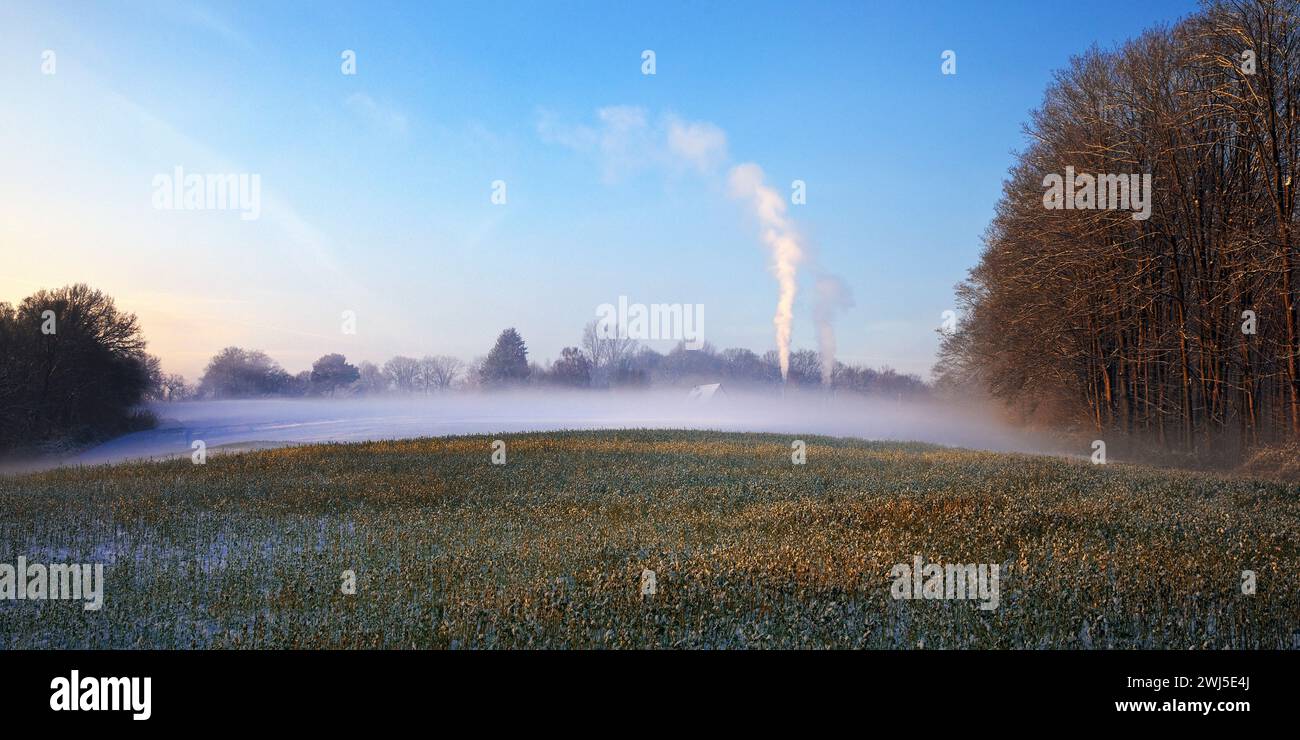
(832, 296)
(783, 242)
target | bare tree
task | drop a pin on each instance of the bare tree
(1181, 327)
(606, 351)
(372, 380)
(440, 372)
(403, 373)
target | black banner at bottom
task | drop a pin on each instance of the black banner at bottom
(332, 689)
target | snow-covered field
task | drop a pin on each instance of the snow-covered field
(238, 425)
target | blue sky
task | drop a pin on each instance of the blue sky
(376, 186)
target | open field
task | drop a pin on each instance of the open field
(275, 422)
(749, 550)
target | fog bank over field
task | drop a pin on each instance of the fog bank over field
(241, 424)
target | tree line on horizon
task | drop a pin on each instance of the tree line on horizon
(1180, 329)
(74, 370)
(600, 362)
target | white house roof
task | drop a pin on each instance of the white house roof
(705, 392)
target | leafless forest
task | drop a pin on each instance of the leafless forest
(1178, 330)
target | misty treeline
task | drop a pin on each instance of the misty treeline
(1181, 329)
(73, 369)
(601, 362)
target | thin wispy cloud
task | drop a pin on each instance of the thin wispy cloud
(625, 140)
(381, 116)
(699, 144)
(276, 210)
(209, 20)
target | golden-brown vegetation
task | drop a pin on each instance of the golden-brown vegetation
(749, 550)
